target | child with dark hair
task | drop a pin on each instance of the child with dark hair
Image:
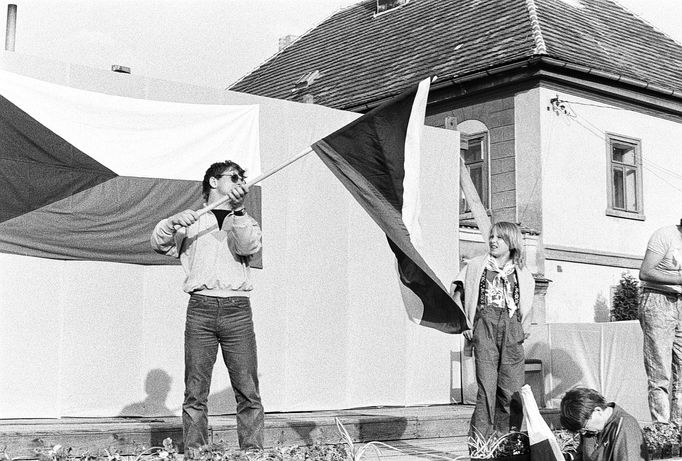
(607, 432)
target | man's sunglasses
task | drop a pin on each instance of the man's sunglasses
(233, 176)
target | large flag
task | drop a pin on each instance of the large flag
(86, 175)
(377, 158)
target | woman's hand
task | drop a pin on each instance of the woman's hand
(468, 335)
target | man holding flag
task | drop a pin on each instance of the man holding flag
(215, 248)
(377, 158)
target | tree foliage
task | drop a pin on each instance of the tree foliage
(626, 299)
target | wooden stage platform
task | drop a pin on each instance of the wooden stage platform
(412, 428)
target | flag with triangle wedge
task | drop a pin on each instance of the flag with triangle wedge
(86, 176)
(377, 158)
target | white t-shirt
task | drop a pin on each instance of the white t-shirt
(667, 241)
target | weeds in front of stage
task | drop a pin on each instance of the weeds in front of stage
(358, 452)
(167, 452)
(662, 440)
(568, 441)
(498, 445)
(316, 452)
(347, 450)
(510, 444)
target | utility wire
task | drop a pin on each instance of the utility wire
(648, 164)
(601, 106)
(563, 106)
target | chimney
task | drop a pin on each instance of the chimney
(307, 98)
(11, 32)
(286, 41)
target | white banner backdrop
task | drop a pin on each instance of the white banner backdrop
(91, 339)
(603, 356)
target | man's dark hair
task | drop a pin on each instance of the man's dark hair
(577, 407)
(215, 170)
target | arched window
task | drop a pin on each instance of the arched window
(474, 151)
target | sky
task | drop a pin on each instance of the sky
(203, 42)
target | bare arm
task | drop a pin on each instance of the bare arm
(649, 272)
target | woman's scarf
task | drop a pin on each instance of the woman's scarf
(499, 290)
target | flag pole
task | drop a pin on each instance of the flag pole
(258, 179)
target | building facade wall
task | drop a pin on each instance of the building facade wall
(549, 164)
(528, 149)
(497, 115)
(586, 248)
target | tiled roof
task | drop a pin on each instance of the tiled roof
(603, 35)
(362, 58)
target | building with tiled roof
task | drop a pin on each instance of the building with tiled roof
(569, 112)
(363, 57)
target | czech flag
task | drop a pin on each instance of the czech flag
(86, 176)
(377, 158)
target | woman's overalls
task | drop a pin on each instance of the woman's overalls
(499, 357)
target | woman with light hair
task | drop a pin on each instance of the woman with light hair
(496, 292)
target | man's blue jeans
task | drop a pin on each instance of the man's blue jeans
(226, 322)
(661, 320)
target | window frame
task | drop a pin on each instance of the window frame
(485, 174)
(613, 139)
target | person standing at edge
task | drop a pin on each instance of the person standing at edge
(215, 249)
(496, 291)
(661, 319)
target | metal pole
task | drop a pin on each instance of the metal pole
(11, 32)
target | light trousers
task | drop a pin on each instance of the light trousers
(661, 321)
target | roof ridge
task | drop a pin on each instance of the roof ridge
(540, 46)
(646, 21)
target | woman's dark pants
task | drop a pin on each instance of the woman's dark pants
(499, 357)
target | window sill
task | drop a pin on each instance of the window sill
(625, 214)
(470, 214)
(467, 219)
